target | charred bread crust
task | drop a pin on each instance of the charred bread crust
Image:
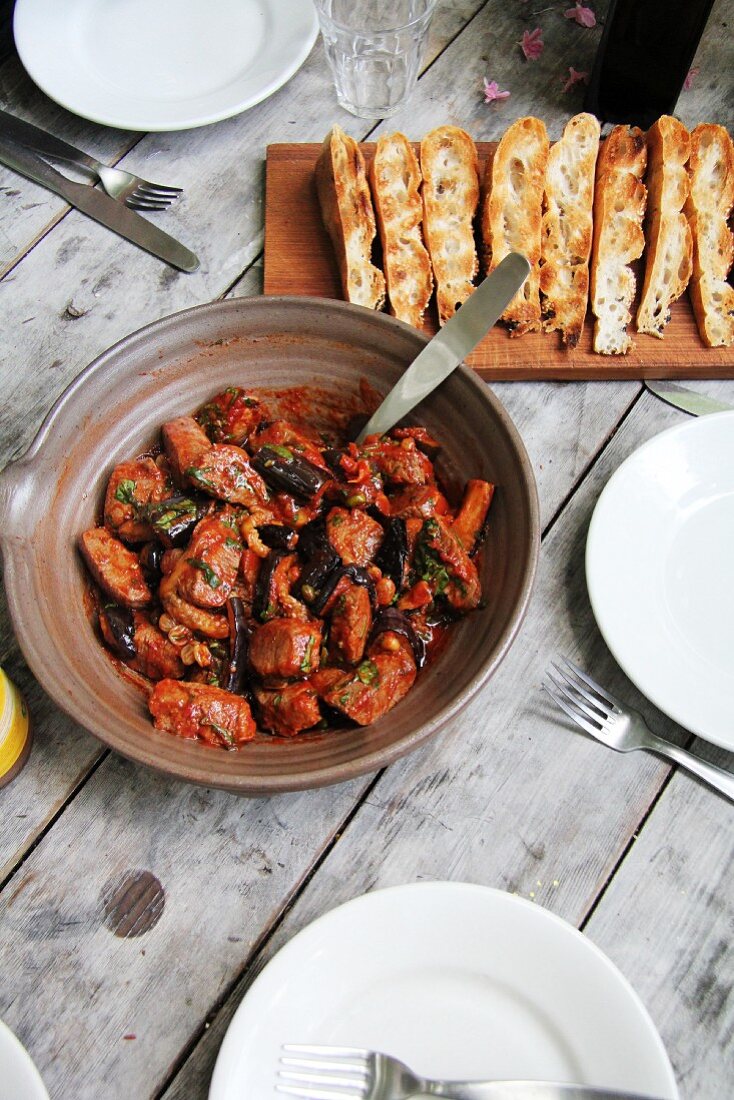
(346, 209)
(567, 228)
(450, 167)
(668, 245)
(511, 214)
(708, 207)
(619, 209)
(395, 178)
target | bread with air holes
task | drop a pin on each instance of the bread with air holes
(668, 242)
(619, 210)
(511, 214)
(346, 208)
(395, 178)
(708, 207)
(450, 168)
(567, 229)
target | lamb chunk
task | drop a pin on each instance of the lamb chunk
(191, 710)
(351, 621)
(469, 524)
(156, 657)
(131, 486)
(289, 709)
(355, 536)
(376, 685)
(224, 471)
(206, 571)
(400, 462)
(444, 564)
(185, 443)
(115, 568)
(418, 500)
(286, 648)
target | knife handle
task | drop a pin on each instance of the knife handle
(17, 129)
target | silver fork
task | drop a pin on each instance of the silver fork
(351, 1073)
(619, 726)
(134, 191)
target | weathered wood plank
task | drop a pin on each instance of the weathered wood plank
(226, 867)
(667, 921)
(513, 797)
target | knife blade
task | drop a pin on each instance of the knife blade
(457, 338)
(697, 404)
(95, 204)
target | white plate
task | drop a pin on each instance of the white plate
(18, 1076)
(660, 572)
(457, 980)
(139, 65)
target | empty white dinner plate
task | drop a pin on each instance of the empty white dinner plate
(19, 1078)
(660, 572)
(458, 981)
(139, 65)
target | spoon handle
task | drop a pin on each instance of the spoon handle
(452, 344)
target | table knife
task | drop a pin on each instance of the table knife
(697, 404)
(457, 338)
(95, 204)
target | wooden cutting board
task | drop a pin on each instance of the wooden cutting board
(299, 260)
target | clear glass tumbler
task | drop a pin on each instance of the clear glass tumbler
(374, 49)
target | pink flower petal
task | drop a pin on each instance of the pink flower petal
(574, 77)
(532, 44)
(692, 74)
(582, 15)
(492, 91)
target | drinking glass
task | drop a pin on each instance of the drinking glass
(374, 49)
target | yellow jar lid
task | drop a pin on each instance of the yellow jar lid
(14, 724)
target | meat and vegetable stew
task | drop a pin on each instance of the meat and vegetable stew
(264, 577)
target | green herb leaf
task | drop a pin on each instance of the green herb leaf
(199, 476)
(210, 576)
(369, 673)
(125, 492)
(282, 452)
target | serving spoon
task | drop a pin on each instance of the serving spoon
(460, 335)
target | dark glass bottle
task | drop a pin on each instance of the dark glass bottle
(643, 59)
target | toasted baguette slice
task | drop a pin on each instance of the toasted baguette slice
(619, 209)
(346, 207)
(395, 179)
(450, 170)
(709, 204)
(567, 228)
(668, 244)
(511, 214)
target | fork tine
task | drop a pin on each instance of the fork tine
(575, 715)
(572, 682)
(611, 699)
(138, 204)
(331, 1079)
(318, 1048)
(316, 1094)
(323, 1064)
(567, 691)
(153, 189)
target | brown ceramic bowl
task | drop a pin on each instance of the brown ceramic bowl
(114, 410)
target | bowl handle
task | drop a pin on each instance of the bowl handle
(16, 494)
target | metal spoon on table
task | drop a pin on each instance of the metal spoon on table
(452, 344)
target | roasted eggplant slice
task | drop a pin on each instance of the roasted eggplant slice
(120, 632)
(277, 536)
(393, 620)
(236, 678)
(286, 472)
(174, 519)
(392, 557)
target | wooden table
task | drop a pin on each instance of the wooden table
(631, 851)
